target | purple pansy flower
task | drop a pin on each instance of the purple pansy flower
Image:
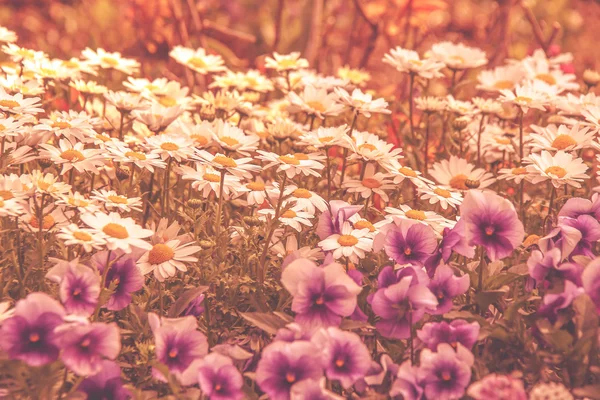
(491, 222)
(590, 233)
(453, 240)
(312, 390)
(84, 346)
(29, 334)
(106, 384)
(292, 332)
(79, 286)
(456, 332)
(345, 357)
(401, 305)
(178, 343)
(540, 264)
(591, 282)
(219, 379)
(497, 387)
(284, 364)
(408, 382)
(410, 243)
(194, 307)
(322, 296)
(576, 206)
(563, 237)
(446, 286)
(329, 225)
(554, 302)
(124, 274)
(446, 373)
(358, 314)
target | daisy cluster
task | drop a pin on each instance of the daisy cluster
(281, 233)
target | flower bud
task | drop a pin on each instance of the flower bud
(194, 204)
(591, 77)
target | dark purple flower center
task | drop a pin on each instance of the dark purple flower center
(319, 301)
(173, 353)
(446, 376)
(34, 337)
(340, 362)
(402, 308)
(490, 230)
(407, 251)
(290, 377)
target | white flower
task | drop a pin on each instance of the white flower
(157, 117)
(369, 147)
(430, 218)
(143, 160)
(362, 103)
(445, 197)
(325, 137)
(561, 169)
(126, 102)
(121, 233)
(458, 56)
(165, 259)
(553, 138)
(502, 77)
(351, 243)
(73, 156)
(171, 146)
(372, 183)
(107, 60)
(516, 174)
(7, 36)
(293, 217)
(17, 104)
(71, 125)
(231, 138)
(532, 94)
(430, 103)
(400, 173)
(197, 60)
(239, 166)
(291, 164)
(455, 173)
(10, 207)
(286, 62)
(409, 61)
(207, 179)
(315, 102)
(112, 200)
(87, 238)
(307, 200)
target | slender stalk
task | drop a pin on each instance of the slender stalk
(345, 161)
(479, 132)
(480, 270)
(220, 204)
(121, 126)
(411, 104)
(328, 174)
(312, 122)
(148, 200)
(426, 147)
(521, 155)
(411, 339)
(103, 283)
(165, 201)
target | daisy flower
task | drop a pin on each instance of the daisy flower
(446, 198)
(17, 104)
(197, 60)
(19, 54)
(48, 70)
(531, 94)
(293, 217)
(87, 238)
(460, 107)
(157, 117)
(502, 77)
(457, 173)
(430, 218)
(53, 218)
(11, 127)
(372, 183)
(112, 200)
(16, 84)
(11, 187)
(142, 85)
(69, 125)
(369, 147)
(591, 114)
(553, 138)
(256, 195)
(201, 134)
(47, 183)
(315, 102)
(561, 168)
(408, 61)
(88, 87)
(290, 247)
(73, 156)
(78, 201)
(307, 200)
(291, 164)
(457, 56)
(107, 60)
(240, 167)
(170, 146)
(400, 173)
(165, 259)
(573, 105)
(10, 207)
(359, 222)
(121, 233)
(169, 95)
(488, 106)
(325, 137)
(351, 243)
(206, 179)
(7, 36)
(543, 71)
(362, 103)
(516, 174)
(356, 77)
(231, 138)
(286, 62)
(120, 153)
(126, 102)
(431, 104)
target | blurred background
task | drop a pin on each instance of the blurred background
(330, 33)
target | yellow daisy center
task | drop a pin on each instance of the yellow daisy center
(556, 171)
(504, 85)
(523, 99)
(347, 240)
(197, 62)
(407, 172)
(289, 159)
(502, 140)
(548, 78)
(289, 214)
(113, 62)
(371, 183)
(302, 193)
(115, 230)
(117, 199)
(519, 171)
(47, 222)
(316, 105)
(458, 59)
(229, 141)
(136, 155)
(77, 202)
(9, 103)
(167, 101)
(367, 146)
(300, 156)
(199, 139)
(458, 182)
(160, 253)
(363, 223)
(561, 142)
(416, 214)
(169, 146)
(442, 192)
(225, 161)
(211, 178)
(6, 195)
(256, 186)
(326, 139)
(1, 203)
(83, 236)
(72, 155)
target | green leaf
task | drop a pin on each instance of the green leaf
(590, 392)
(497, 281)
(268, 322)
(182, 302)
(485, 298)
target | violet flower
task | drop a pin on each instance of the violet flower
(590, 233)
(563, 237)
(410, 243)
(178, 343)
(322, 296)
(446, 373)
(84, 346)
(591, 282)
(79, 287)
(29, 334)
(491, 222)
(453, 240)
(408, 382)
(283, 364)
(194, 307)
(454, 333)
(124, 274)
(312, 390)
(576, 206)
(553, 303)
(358, 314)
(106, 384)
(401, 305)
(219, 379)
(497, 387)
(446, 286)
(292, 332)
(345, 357)
(331, 223)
